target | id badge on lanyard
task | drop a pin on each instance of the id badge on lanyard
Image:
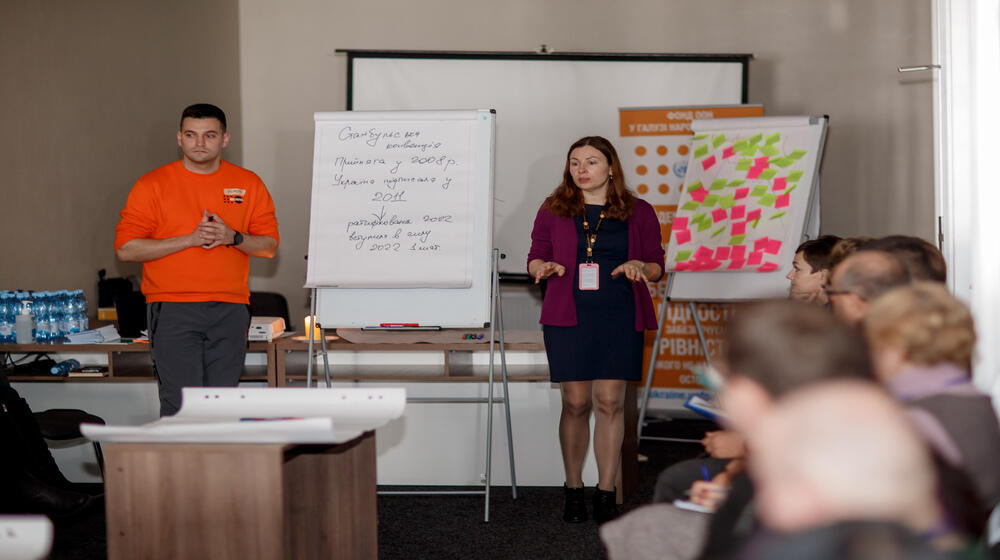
(589, 274)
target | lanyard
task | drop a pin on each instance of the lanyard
(591, 238)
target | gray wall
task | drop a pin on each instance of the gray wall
(95, 93)
(91, 95)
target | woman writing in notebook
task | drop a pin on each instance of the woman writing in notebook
(597, 245)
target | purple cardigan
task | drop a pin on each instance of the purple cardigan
(554, 238)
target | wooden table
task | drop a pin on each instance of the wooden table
(242, 502)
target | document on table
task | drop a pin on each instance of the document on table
(263, 415)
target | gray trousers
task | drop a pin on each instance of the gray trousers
(197, 344)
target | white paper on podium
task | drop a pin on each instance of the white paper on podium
(263, 415)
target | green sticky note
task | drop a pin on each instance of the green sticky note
(718, 231)
(727, 202)
(777, 215)
(783, 161)
(743, 165)
(710, 200)
(797, 154)
(769, 150)
(693, 186)
(768, 200)
(758, 190)
(704, 224)
(748, 151)
(740, 145)
(690, 205)
(718, 184)
(718, 140)
(768, 174)
(701, 136)
(737, 239)
(736, 182)
(791, 188)
(754, 223)
(682, 256)
(772, 138)
(698, 217)
(755, 139)
(794, 176)
(701, 151)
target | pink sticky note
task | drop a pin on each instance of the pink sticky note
(735, 264)
(782, 200)
(727, 152)
(722, 253)
(739, 228)
(682, 236)
(755, 258)
(780, 184)
(708, 162)
(773, 246)
(718, 215)
(737, 212)
(682, 266)
(760, 162)
(699, 195)
(739, 252)
(680, 222)
(703, 254)
(741, 193)
(754, 172)
(753, 215)
(767, 267)
(760, 244)
(711, 265)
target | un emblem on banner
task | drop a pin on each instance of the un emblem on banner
(681, 168)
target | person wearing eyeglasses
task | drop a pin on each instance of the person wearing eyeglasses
(859, 279)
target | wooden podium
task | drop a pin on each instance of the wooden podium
(261, 501)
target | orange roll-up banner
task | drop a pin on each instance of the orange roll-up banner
(654, 145)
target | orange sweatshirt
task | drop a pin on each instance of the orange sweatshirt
(168, 202)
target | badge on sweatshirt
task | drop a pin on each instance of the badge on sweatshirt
(233, 196)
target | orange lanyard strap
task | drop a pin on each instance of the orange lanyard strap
(591, 238)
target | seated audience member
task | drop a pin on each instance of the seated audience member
(811, 269)
(847, 247)
(859, 279)
(837, 466)
(922, 260)
(769, 350)
(922, 340)
(810, 272)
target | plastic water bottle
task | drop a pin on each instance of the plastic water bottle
(56, 324)
(81, 305)
(7, 309)
(40, 308)
(71, 312)
(64, 367)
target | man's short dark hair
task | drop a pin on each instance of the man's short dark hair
(204, 111)
(869, 274)
(817, 251)
(922, 259)
(783, 345)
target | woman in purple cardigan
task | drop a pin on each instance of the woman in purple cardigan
(598, 245)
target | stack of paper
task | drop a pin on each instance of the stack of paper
(263, 415)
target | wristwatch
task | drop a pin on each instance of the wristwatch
(237, 239)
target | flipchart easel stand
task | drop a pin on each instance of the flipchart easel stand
(652, 362)
(496, 336)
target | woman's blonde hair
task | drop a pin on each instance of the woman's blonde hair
(926, 322)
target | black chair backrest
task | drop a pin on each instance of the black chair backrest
(131, 310)
(270, 304)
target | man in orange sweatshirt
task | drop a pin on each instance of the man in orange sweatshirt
(194, 224)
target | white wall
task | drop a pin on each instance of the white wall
(836, 57)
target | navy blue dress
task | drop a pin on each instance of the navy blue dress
(604, 343)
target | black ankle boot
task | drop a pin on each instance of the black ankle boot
(605, 508)
(575, 509)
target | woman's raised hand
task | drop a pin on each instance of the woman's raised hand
(547, 269)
